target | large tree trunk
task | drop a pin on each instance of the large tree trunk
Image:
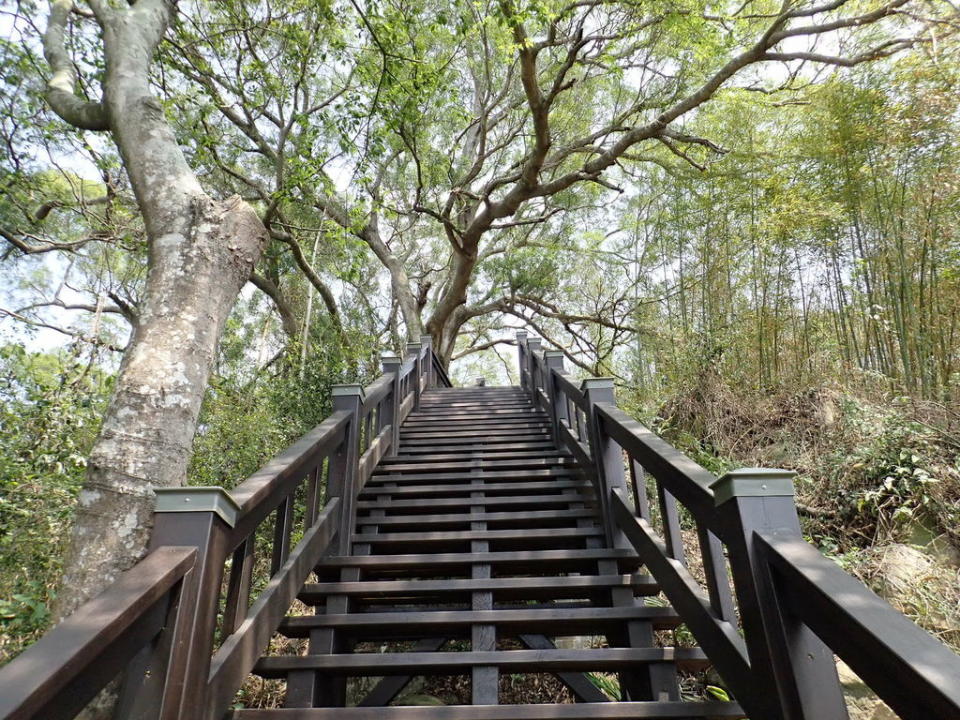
(148, 430)
(201, 252)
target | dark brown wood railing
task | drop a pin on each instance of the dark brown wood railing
(772, 611)
(190, 620)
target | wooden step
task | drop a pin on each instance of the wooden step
(531, 501)
(713, 710)
(555, 622)
(467, 535)
(454, 663)
(488, 447)
(483, 486)
(481, 453)
(570, 586)
(544, 517)
(466, 475)
(467, 464)
(559, 560)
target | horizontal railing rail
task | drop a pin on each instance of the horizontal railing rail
(768, 609)
(241, 557)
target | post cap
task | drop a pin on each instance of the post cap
(198, 499)
(596, 384)
(753, 482)
(521, 334)
(554, 353)
(426, 339)
(533, 342)
(414, 347)
(347, 390)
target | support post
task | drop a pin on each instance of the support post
(607, 456)
(391, 367)
(533, 347)
(558, 408)
(522, 357)
(344, 469)
(426, 352)
(201, 518)
(784, 653)
(415, 350)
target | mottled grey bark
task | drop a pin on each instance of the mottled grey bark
(201, 253)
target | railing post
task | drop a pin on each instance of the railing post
(522, 357)
(415, 350)
(784, 653)
(201, 518)
(533, 347)
(344, 470)
(553, 361)
(607, 456)
(391, 367)
(426, 343)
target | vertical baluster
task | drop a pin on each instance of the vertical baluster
(671, 523)
(638, 480)
(238, 587)
(715, 568)
(310, 501)
(281, 534)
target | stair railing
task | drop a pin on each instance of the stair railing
(189, 621)
(771, 611)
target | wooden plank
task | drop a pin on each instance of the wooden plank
(713, 710)
(453, 490)
(525, 463)
(554, 621)
(526, 586)
(421, 477)
(455, 535)
(565, 498)
(561, 559)
(454, 663)
(533, 516)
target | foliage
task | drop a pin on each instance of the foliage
(50, 410)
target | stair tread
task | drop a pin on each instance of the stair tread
(566, 582)
(659, 710)
(416, 663)
(478, 534)
(494, 558)
(530, 619)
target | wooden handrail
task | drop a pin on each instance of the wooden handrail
(175, 591)
(912, 672)
(60, 673)
(794, 608)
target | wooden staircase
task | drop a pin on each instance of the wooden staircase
(435, 531)
(477, 547)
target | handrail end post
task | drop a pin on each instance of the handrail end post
(347, 397)
(796, 662)
(415, 349)
(607, 455)
(390, 363)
